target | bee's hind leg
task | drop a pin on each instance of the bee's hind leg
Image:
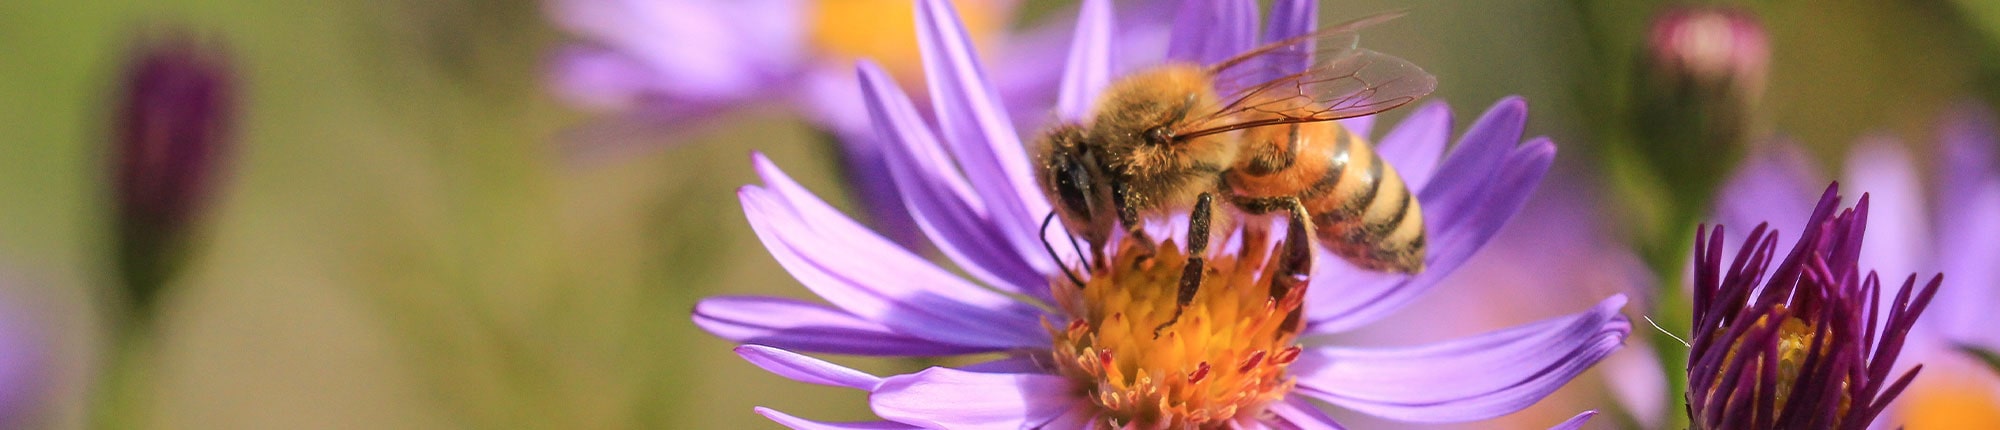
(1295, 253)
(1197, 265)
(1293, 271)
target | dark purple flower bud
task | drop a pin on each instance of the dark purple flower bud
(176, 114)
(1802, 344)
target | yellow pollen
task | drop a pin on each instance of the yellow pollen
(885, 30)
(1224, 358)
(1794, 344)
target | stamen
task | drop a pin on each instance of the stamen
(1224, 357)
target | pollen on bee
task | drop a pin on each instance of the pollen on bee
(1224, 357)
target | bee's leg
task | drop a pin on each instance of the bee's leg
(1295, 253)
(1197, 265)
(1127, 214)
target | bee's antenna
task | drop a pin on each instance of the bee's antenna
(1052, 250)
(1079, 252)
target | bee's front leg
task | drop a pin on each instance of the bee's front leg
(1197, 265)
(1128, 214)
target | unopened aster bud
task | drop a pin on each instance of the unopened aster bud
(1811, 342)
(176, 112)
(1694, 99)
(1711, 47)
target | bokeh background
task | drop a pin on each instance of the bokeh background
(401, 241)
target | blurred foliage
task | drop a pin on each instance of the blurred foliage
(401, 246)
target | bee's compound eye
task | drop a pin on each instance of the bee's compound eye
(1073, 185)
(1159, 135)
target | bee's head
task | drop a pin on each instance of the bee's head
(1076, 182)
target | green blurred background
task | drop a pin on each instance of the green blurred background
(401, 245)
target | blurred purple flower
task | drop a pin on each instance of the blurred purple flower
(173, 134)
(24, 368)
(1773, 185)
(1805, 342)
(667, 67)
(887, 301)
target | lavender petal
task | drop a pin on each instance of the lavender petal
(1468, 379)
(1880, 167)
(810, 327)
(1088, 69)
(1485, 182)
(1577, 422)
(950, 398)
(1775, 185)
(864, 274)
(1416, 145)
(944, 205)
(807, 369)
(977, 129)
(1295, 412)
(797, 423)
(1208, 31)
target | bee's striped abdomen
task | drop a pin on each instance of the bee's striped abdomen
(1360, 207)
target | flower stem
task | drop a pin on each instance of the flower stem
(121, 399)
(1671, 309)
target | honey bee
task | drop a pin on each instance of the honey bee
(1258, 137)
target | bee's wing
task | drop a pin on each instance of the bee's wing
(1267, 84)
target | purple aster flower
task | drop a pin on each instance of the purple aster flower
(1078, 357)
(1810, 346)
(1952, 232)
(665, 68)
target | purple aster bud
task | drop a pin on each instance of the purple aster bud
(1804, 344)
(174, 122)
(1694, 100)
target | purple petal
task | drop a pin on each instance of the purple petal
(1469, 379)
(956, 399)
(1089, 67)
(797, 423)
(637, 131)
(866, 275)
(1881, 168)
(834, 102)
(598, 78)
(1775, 185)
(1484, 183)
(978, 131)
(807, 369)
(1289, 19)
(1577, 422)
(1296, 412)
(944, 206)
(1969, 196)
(1361, 125)
(810, 327)
(1015, 364)
(1416, 145)
(696, 50)
(1479, 154)
(1208, 31)
(1967, 139)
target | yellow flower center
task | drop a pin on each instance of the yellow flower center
(1794, 344)
(1224, 358)
(885, 30)
(1950, 396)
